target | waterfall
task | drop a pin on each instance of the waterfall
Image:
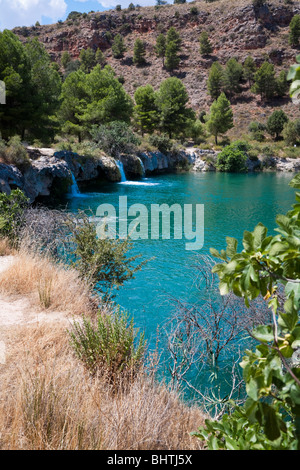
(74, 191)
(121, 168)
(142, 166)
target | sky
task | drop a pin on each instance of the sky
(28, 12)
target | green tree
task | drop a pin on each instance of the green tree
(294, 34)
(118, 47)
(205, 44)
(160, 47)
(282, 85)
(220, 117)
(232, 76)
(171, 101)
(276, 123)
(145, 111)
(172, 59)
(65, 59)
(174, 37)
(87, 59)
(249, 69)
(265, 81)
(107, 99)
(268, 266)
(215, 80)
(94, 98)
(32, 87)
(74, 98)
(100, 58)
(139, 52)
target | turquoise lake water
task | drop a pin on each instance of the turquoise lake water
(232, 203)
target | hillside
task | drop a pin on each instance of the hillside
(236, 29)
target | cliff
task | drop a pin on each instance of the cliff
(236, 29)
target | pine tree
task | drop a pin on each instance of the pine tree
(294, 35)
(215, 80)
(205, 44)
(65, 59)
(145, 111)
(87, 59)
(171, 101)
(118, 47)
(232, 76)
(100, 58)
(160, 47)
(174, 37)
(265, 81)
(172, 59)
(220, 117)
(249, 70)
(139, 52)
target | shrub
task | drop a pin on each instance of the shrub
(289, 133)
(161, 142)
(115, 138)
(109, 347)
(276, 122)
(102, 262)
(12, 208)
(14, 153)
(231, 159)
(257, 131)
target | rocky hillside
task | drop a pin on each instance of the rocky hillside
(235, 27)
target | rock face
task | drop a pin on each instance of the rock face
(51, 173)
(86, 168)
(46, 176)
(236, 29)
(10, 178)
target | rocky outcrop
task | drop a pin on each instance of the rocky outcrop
(87, 168)
(47, 176)
(10, 178)
(281, 164)
(201, 159)
(51, 173)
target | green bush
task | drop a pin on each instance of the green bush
(102, 262)
(12, 208)
(162, 142)
(232, 159)
(257, 130)
(110, 348)
(14, 153)
(115, 138)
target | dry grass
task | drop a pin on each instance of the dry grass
(48, 285)
(5, 248)
(47, 401)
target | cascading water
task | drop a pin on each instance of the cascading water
(121, 168)
(74, 190)
(142, 166)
